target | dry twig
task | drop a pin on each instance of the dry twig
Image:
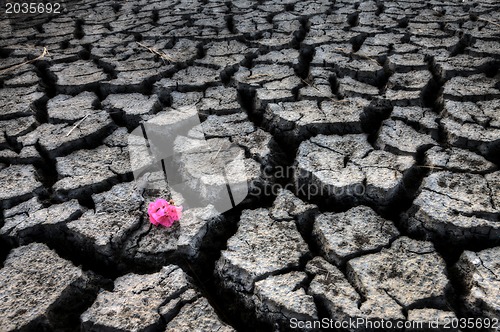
(41, 56)
(431, 167)
(489, 21)
(213, 158)
(362, 56)
(317, 89)
(76, 125)
(164, 56)
(256, 76)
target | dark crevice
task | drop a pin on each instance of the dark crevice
(200, 51)
(84, 54)
(384, 77)
(116, 6)
(230, 24)
(227, 73)
(335, 86)
(108, 69)
(65, 313)
(64, 44)
(80, 252)
(432, 93)
(5, 246)
(403, 201)
(242, 319)
(87, 201)
(269, 17)
(491, 68)
(380, 8)
(118, 117)
(465, 41)
(165, 319)
(403, 22)
(406, 38)
(5, 52)
(12, 142)
(246, 98)
(358, 41)
(371, 119)
(78, 32)
(46, 168)
(40, 108)
(247, 62)
(137, 36)
(460, 290)
(48, 83)
(353, 19)
(201, 270)
(322, 308)
(164, 97)
(305, 224)
(39, 28)
(155, 16)
(300, 34)
(451, 253)
(108, 26)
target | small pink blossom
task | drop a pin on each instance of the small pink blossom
(164, 213)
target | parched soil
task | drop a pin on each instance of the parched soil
(369, 133)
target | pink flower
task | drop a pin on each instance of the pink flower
(164, 213)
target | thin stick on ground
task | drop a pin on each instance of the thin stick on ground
(364, 56)
(321, 92)
(489, 21)
(76, 125)
(475, 17)
(41, 56)
(431, 167)
(310, 85)
(216, 153)
(361, 55)
(251, 77)
(162, 55)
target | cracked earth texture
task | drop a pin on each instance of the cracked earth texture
(389, 110)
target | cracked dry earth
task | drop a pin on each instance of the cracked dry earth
(389, 110)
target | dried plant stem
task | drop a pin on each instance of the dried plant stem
(362, 56)
(432, 167)
(256, 76)
(213, 158)
(162, 55)
(76, 125)
(41, 56)
(317, 89)
(489, 21)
